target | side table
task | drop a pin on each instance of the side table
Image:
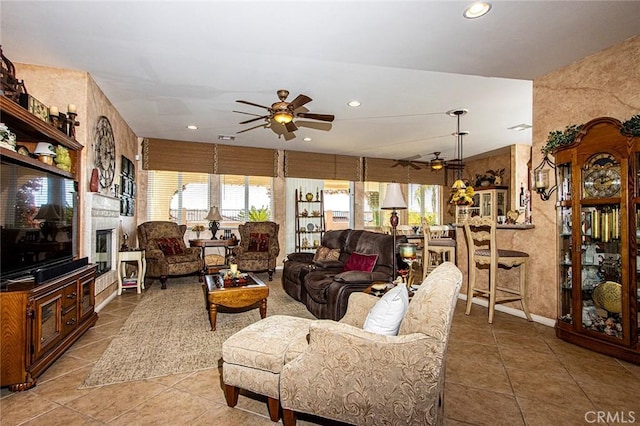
(228, 246)
(135, 255)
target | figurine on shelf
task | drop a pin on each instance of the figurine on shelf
(317, 195)
(304, 213)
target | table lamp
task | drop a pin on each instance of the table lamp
(214, 219)
(50, 216)
(393, 201)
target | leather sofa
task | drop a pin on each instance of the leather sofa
(323, 286)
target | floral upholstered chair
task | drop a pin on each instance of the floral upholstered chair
(165, 251)
(340, 371)
(258, 248)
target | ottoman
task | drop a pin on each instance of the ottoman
(254, 356)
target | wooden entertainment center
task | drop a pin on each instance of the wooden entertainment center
(41, 319)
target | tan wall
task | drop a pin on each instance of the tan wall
(59, 87)
(604, 84)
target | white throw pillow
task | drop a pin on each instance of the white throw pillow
(387, 314)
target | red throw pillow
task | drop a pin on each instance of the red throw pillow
(360, 262)
(169, 246)
(258, 242)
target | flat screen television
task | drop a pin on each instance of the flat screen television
(38, 219)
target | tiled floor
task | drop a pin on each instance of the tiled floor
(509, 373)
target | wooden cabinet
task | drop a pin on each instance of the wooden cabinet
(598, 207)
(40, 322)
(30, 130)
(491, 201)
(310, 224)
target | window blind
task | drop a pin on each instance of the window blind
(245, 161)
(313, 165)
(178, 156)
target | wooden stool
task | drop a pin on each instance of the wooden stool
(481, 231)
(435, 248)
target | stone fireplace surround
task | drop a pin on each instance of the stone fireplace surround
(105, 215)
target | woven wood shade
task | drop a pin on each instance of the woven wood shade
(385, 170)
(181, 156)
(245, 161)
(311, 165)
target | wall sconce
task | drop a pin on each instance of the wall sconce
(540, 178)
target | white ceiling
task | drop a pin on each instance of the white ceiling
(168, 64)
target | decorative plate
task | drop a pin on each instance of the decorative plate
(608, 296)
(512, 216)
(310, 227)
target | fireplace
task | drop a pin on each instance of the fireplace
(103, 251)
(103, 244)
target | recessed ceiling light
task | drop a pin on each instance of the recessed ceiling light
(520, 127)
(192, 127)
(307, 139)
(353, 104)
(477, 9)
(226, 138)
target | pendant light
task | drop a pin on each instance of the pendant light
(458, 164)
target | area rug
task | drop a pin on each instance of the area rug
(169, 333)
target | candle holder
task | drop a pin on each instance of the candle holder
(54, 120)
(540, 178)
(408, 255)
(71, 124)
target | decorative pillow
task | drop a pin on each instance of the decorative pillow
(387, 314)
(169, 246)
(325, 253)
(360, 262)
(258, 242)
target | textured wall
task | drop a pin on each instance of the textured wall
(604, 84)
(60, 87)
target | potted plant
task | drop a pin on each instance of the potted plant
(559, 138)
(631, 127)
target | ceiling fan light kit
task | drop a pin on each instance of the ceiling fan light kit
(436, 163)
(284, 112)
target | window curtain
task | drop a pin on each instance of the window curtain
(312, 165)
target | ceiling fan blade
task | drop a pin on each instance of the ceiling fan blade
(413, 157)
(254, 119)
(247, 113)
(291, 126)
(299, 101)
(251, 128)
(321, 117)
(414, 165)
(251, 103)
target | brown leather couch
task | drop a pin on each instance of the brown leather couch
(323, 286)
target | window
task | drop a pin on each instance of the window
(181, 197)
(245, 198)
(423, 201)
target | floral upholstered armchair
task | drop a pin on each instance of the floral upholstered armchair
(259, 247)
(165, 251)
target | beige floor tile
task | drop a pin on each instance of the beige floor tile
(63, 416)
(64, 365)
(514, 325)
(21, 407)
(480, 407)
(478, 374)
(221, 415)
(552, 388)
(91, 351)
(172, 379)
(108, 402)
(525, 359)
(206, 384)
(171, 406)
(63, 389)
(111, 328)
(471, 350)
(531, 342)
(593, 373)
(614, 398)
(469, 332)
(542, 413)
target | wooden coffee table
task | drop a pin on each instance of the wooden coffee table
(241, 295)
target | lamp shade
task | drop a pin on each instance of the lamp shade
(393, 199)
(214, 214)
(283, 117)
(47, 212)
(45, 148)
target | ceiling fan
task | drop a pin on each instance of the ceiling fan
(408, 162)
(283, 112)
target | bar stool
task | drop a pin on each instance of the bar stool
(435, 248)
(480, 233)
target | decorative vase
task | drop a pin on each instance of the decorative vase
(197, 235)
(94, 182)
(309, 196)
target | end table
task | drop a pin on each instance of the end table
(134, 255)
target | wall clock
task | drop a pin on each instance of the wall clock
(105, 151)
(601, 177)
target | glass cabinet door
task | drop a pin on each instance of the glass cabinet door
(485, 205)
(566, 265)
(501, 203)
(48, 323)
(601, 271)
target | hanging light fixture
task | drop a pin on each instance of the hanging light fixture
(437, 163)
(458, 164)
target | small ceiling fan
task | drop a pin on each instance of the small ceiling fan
(283, 112)
(408, 162)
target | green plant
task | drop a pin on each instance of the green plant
(631, 127)
(559, 138)
(256, 215)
